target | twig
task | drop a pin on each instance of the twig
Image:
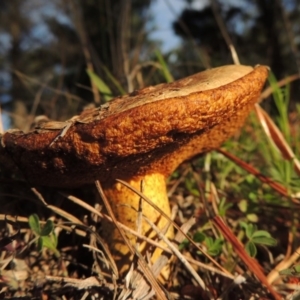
(178, 254)
(1, 122)
(79, 23)
(44, 85)
(204, 61)
(224, 32)
(284, 264)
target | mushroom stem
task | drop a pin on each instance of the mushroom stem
(125, 205)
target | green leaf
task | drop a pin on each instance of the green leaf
(251, 228)
(101, 85)
(190, 186)
(47, 229)
(50, 243)
(252, 218)
(261, 233)
(250, 179)
(114, 80)
(244, 225)
(209, 241)
(243, 205)
(251, 249)
(34, 223)
(252, 196)
(199, 237)
(268, 241)
(216, 248)
(55, 240)
(223, 207)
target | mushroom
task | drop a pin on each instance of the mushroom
(140, 138)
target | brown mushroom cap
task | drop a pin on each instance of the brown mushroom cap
(148, 131)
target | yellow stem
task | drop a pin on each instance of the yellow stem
(125, 205)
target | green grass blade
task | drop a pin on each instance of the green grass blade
(101, 85)
(168, 76)
(114, 81)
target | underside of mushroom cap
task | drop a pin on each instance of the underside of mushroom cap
(149, 131)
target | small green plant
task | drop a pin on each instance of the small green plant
(281, 98)
(256, 237)
(244, 204)
(223, 207)
(214, 246)
(281, 162)
(198, 237)
(45, 236)
(191, 186)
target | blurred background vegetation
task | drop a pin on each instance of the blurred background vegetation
(47, 47)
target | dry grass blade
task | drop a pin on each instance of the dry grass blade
(181, 234)
(75, 221)
(13, 218)
(65, 214)
(25, 220)
(250, 262)
(80, 283)
(179, 255)
(141, 261)
(104, 216)
(224, 32)
(78, 20)
(139, 216)
(57, 210)
(162, 260)
(269, 90)
(273, 133)
(1, 122)
(101, 242)
(172, 189)
(201, 53)
(101, 256)
(138, 293)
(284, 264)
(24, 77)
(184, 229)
(179, 239)
(39, 196)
